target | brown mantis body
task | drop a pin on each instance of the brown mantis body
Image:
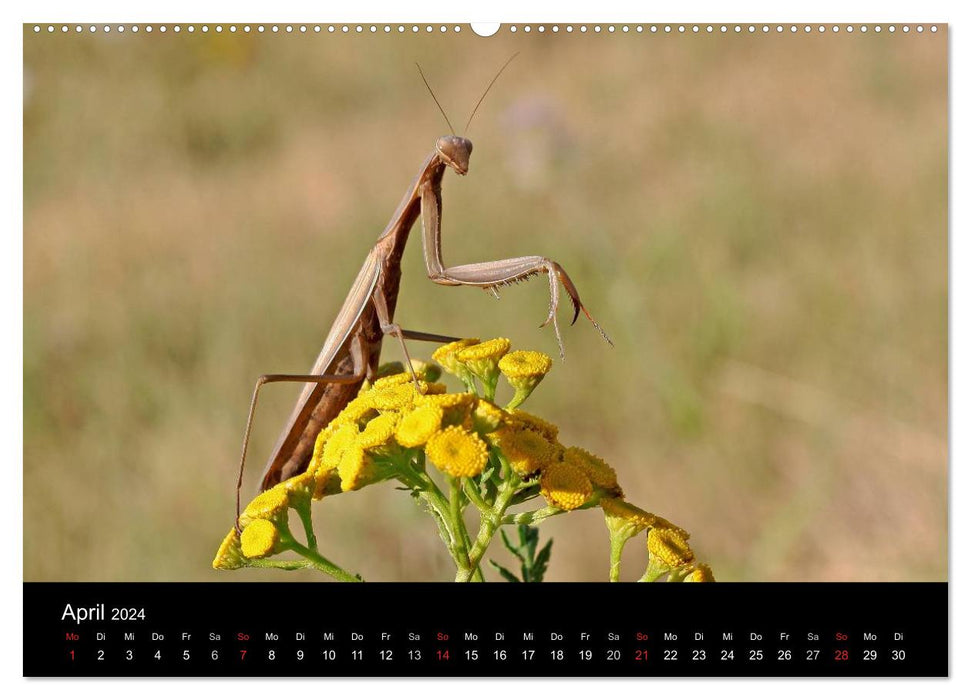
(352, 349)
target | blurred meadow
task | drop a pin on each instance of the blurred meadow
(760, 223)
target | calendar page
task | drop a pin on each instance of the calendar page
(334, 334)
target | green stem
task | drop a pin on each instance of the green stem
(318, 561)
(653, 572)
(410, 479)
(461, 552)
(678, 575)
(533, 516)
(491, 521)
(616, 549)
(306, 518)
(468, 379)
(489, 387)
(272, 564)
(451, 530)
(472, 493)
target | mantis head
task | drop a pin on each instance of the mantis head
(454, 151)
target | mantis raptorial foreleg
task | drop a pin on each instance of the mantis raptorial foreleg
(496, 273)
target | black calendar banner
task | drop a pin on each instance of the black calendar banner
(429, 630)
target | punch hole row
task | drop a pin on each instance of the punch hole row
(718, 28)
(443, 29)
(252, 28)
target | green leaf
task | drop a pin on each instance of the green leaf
(504, 572)
(532, 566)
(487, 473)
(541, 562)
(529, 537)
(509, 545)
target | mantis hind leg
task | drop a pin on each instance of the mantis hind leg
(272, 378)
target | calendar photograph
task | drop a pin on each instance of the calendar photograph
(404, 304)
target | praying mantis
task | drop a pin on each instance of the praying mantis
(352, 349)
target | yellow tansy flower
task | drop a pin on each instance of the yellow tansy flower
(396, 379)
(229, 556)
(525, 363)
(299, 486)
(417, 426)
(319, 444)
(663, 524)
(620, 513)
(598, 471)
(488, 351)
(445, 356)
(378, 431)
(457, 452)
(455, 407)
(357, 410)
(526, 451)
(397, 374)
(627, 519)
(482, 360)
(392, 398)
(259, 539)
(669, 547)
(356, 468)
(534, 423)
(702, 574)
(446, 400)
(564, 486)
(524, 369)
(268, 505)
(487, 417)
(327, 482)
(345, 436)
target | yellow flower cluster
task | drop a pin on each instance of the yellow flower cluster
(393, 422)
(523, 369)
(455, 430)
(667, 544)
(261, 522)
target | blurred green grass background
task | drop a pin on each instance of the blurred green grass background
(758, 221)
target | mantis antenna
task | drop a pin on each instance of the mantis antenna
(432, 93)
(487, 89)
